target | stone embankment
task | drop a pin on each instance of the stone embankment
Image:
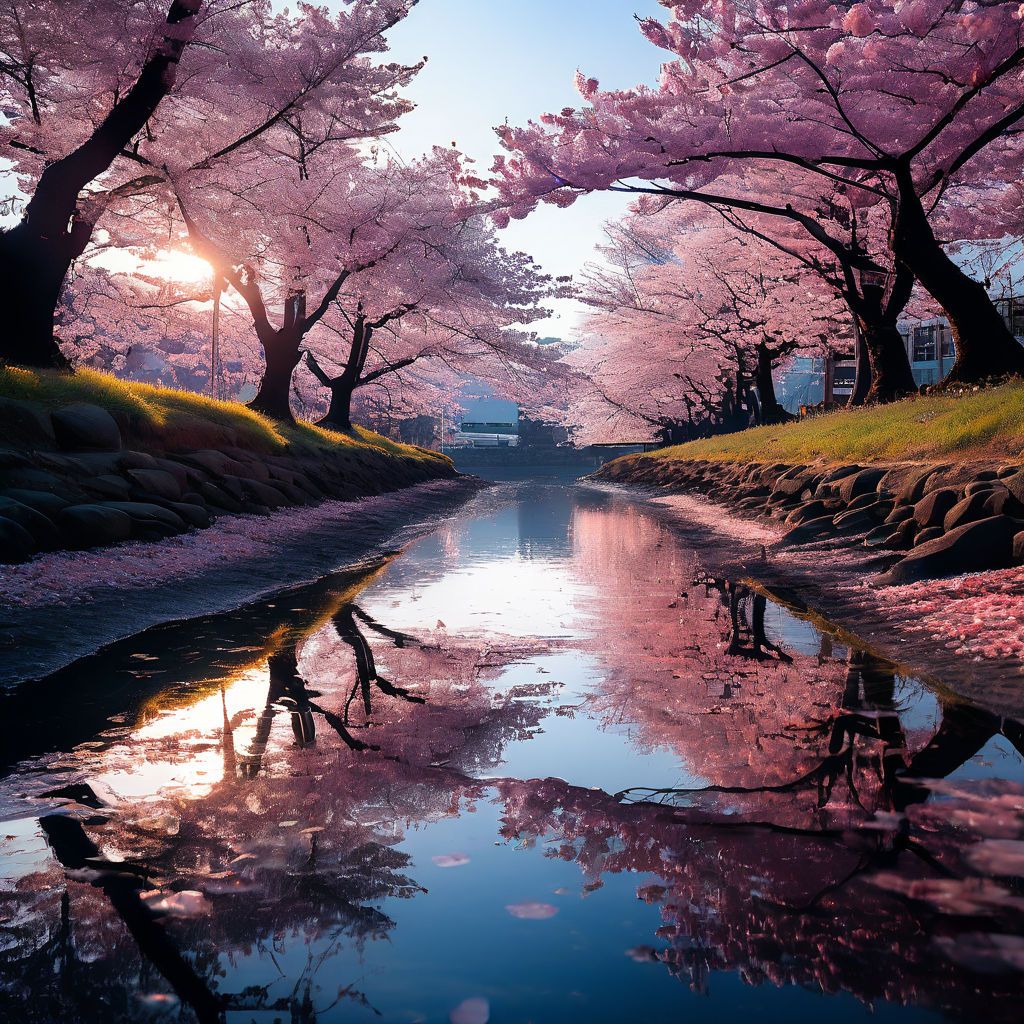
(933, 520)
(78, 486)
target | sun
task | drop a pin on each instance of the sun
(177, 265)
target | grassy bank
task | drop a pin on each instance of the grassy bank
(935, 428)
(180, 420)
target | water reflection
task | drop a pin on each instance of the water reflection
(543, 765)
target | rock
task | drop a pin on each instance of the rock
(988, 544)
(138, 460)
(59, 464)
(99, 463)
(35, 480)
(750, 504)
(928, 534)
(879, 536)
(900, 514)
(16, 543)
(808, 510)
(84, 426)
(866, 500)
(1015, 485)
(179, 472)
(306, 484)
(87, 526)
(977, 486)
(41, 501)
(41, 527)
(839, 473)
(234, 486)
(1000, 502)
(11, 459)
(812, 530)
(1008, 470)
(788, 487)
(932, 508)
(956, 476)
(157, 482)
(967, 510)
(1018, 548)
(254, 469)
(215, 463)
(860, 483)
(194, 515)
(903, 536)
(146, 513)
(25, 422)
(906, 483)
(292, 493)
(108, 486)
(858, 519)
(264, 494)
(215, 496)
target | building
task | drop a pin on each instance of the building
(489, 423)
(930, 350)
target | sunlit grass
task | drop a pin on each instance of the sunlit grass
(185, 419)
(987, 424)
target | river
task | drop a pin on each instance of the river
(543, 765)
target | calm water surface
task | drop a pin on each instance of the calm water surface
(542, 766)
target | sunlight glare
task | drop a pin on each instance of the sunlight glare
(177, 265)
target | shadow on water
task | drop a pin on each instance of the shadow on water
(72, 705)
(557, 764)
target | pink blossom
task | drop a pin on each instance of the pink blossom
(859, 20)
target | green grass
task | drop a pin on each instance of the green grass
(987, 424)
(174, 419)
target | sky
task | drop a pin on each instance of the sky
(497, 60)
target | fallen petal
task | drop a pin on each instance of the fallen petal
(532, 911)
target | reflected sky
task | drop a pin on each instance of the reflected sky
(541, 766)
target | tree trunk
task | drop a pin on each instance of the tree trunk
(76, 852)
(32, 272)
(985, 347)
(862, 380)
(771, 409)
(875, 319)
(35, 255)
(339, 415)
(891, 377)
(282, 352)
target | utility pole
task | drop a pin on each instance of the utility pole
(215, 346)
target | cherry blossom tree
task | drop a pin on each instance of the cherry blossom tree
(377, 264)
(890, 108)
(141, 324)
(100, 123)
(39, 58)
(692, 318)
(450, 294)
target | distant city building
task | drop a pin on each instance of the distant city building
(489, 423)
(930, 349)
(802, 384)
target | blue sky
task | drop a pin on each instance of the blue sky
(492, 60)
